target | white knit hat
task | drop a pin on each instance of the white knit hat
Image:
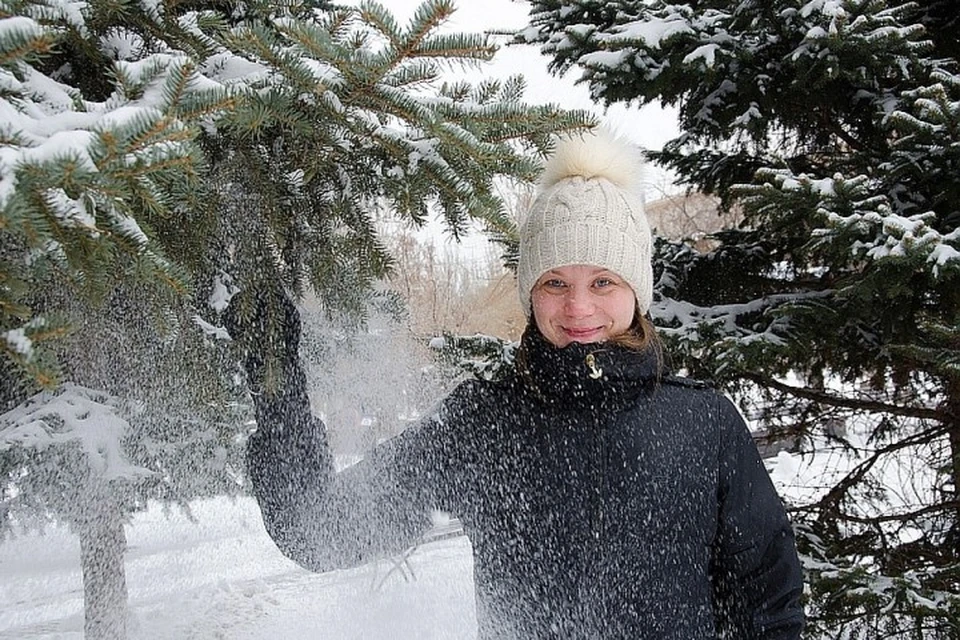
(588, 211)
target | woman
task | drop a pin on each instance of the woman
(602, 497)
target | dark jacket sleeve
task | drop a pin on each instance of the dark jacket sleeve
(757, 573)
(324, 520)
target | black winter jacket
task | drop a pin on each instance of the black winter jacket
(618, 505)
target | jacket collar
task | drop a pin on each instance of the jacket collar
(586, 376)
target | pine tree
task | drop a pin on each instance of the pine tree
(169, 170)
(834, 307)
(94, 166)
(98, 177)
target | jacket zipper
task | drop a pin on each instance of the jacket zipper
(597, 490)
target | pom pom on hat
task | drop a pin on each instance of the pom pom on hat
(589, 211)
(597, 155)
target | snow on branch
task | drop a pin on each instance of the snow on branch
(679, 318)
(78, 416)
(855, 213)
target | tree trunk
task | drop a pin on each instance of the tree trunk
(102, 546)
(953, 411)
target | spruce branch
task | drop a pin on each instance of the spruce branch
(337, 23)
(377, 16)
(428, 16)
(316, 41)
(912, 515)
(418, 72)
(23, 41)
(824, 397)
(460, 48)
(829, 504)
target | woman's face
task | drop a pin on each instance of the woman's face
(582, 303)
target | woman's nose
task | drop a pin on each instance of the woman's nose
(578, 302)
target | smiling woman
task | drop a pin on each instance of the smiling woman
(603, 497)
(582, 303)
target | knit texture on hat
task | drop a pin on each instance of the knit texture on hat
(588, 211)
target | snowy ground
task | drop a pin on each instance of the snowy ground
(223, 578)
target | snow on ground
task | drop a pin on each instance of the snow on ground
(222, 577)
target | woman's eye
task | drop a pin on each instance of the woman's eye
(600, 283)
(553, 285)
